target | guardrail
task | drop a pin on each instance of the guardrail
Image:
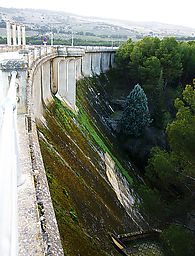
(10, 175)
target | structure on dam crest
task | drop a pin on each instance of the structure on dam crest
(30, 76)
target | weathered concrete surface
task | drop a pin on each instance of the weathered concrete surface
(50, 232)
(125, 194)
(38, 230)
(30, 237)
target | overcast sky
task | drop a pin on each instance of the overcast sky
(181, 12)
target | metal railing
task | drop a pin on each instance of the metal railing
(10, 175)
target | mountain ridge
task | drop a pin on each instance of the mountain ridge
(63, 23)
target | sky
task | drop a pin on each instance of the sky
(179, 12)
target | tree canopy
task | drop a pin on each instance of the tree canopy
(136, 114)
(163, 68)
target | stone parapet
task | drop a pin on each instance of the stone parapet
(20, 66)
(13, 65)
(71, 51)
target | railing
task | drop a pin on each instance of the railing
(10, 174)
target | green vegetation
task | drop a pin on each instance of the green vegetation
(87, 125)
(179, 241)
(161, 67)
(73, 148)
(136, 114)
(3, 40)
(172, 172)
(73, 215)
(84, 41)
(166, 148)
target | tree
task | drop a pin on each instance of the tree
(161, 170)
(151, 204)
(148, 46)
(181, 132)
(122, 56)
(136, 114)
(173, 172)
(169, 54)
(136, 60)
(178, 241)
(188, 61)
(151, 71)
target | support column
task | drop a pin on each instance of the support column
(23, 36)
(8, 28)
(14, 34)
(19, 34)
(71, 82)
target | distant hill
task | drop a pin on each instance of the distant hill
(62, 24)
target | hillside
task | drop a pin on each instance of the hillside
(62, 25)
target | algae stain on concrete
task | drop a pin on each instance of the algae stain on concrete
(73, 148)
(124, 193)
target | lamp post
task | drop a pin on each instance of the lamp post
(72, 39)
(51, 38)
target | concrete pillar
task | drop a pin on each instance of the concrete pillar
(37, 93)
(55, 75)
(112, 60)
(62, 78)
(86, 64)
(66, 80)
(8, 28)
(105, 61)
(23, 35)
(14, 34)
(78, 69)
(71, 82)
(46, 82)
(96, 61)
(19, 34)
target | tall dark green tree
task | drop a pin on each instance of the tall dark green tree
(136, 114)
(122, 57)
(150, 71)
(169, 54)
(181, 132)
(188, 61)
(172, 172)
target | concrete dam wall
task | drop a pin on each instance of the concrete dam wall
(57, 73)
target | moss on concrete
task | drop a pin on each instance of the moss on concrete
(73, 147)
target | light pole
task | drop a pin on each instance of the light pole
(51, 38)
(112, 43)
(72, 39)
